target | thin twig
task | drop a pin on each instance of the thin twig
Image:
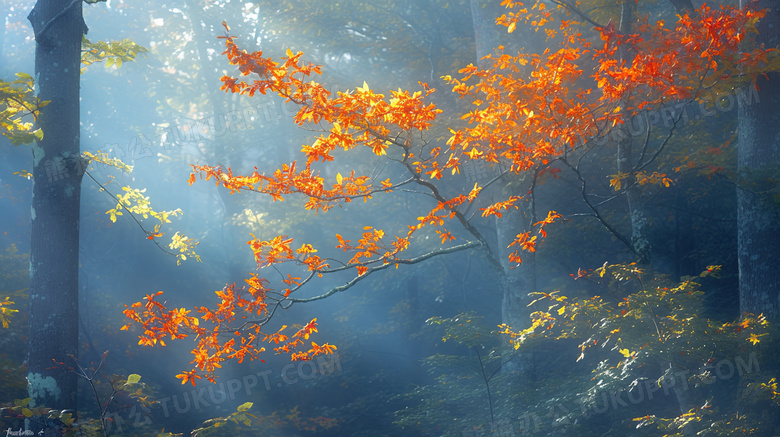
(487, 384)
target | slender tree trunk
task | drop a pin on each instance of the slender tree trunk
(57, 172)
(486, 32)
(515, 283)
(758, 162)
(640, 227)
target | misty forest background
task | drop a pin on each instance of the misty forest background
(419, 348)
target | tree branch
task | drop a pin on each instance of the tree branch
(576, 10)
(596, 213)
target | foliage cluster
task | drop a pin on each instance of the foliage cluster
(136, 204)
(113, 53)
(17, 101)
(641, 358)
(14, 280)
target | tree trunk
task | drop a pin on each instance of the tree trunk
(640, 227)
(515, 283)
(758, 162)
(486, 32)
(57, 172)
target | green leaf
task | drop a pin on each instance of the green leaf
(133, 378)
(245, 406)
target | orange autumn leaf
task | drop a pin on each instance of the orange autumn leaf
(188, 377)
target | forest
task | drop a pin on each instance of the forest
(389, 218)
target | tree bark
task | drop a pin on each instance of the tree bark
(640, 227)
(57, 172)
(515, 283)
(486, 35)
(758, 162)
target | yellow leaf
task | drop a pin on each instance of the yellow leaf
(561, 310)
(511, 27)
(616, 181)
(338, 178)
(625, 352)
(67, 419)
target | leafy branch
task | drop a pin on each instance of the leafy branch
(136, 204)
(17, 100)
(114, 53)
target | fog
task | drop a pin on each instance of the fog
(418, 344)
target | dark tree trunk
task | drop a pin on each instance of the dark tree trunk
(758, 162)
(57, 172)
(640, 226)
(515, 283)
